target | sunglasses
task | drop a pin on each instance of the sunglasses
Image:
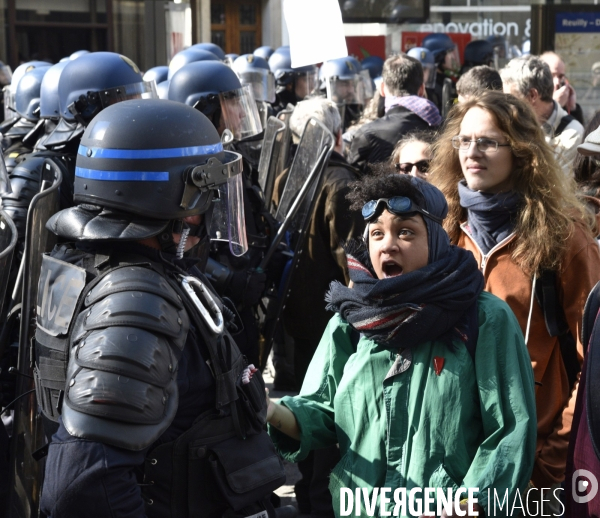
(405, 168)
(398, 205)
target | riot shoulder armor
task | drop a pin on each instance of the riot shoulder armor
(129, 329)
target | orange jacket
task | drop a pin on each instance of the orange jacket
(555, 401)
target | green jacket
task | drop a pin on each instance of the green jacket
(401, 425)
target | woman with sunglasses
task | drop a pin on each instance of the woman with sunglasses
(514, 209)
(421, 377)
(412, 154)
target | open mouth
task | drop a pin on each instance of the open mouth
(391, 269)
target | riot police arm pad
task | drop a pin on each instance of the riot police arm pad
(121, 384)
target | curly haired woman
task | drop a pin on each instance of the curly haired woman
(514, 209)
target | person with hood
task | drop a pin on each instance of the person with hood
(514, 209)
(412, 345)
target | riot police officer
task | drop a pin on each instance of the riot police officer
(158, 407)
(215, 90)
(447, 60)
(293, 84)
(340, 80)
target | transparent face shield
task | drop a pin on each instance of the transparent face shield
(305, 83)
(143, 90)
(452, 60)
(240, 114)
(263, 84)
(367, 86)
(220, 184)
(429, 73)
(227, 220)
(346, 91)
(85, 108)
(5, 75)
(9, 104)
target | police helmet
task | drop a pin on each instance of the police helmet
(144, 165)
(5, 74)
(255, 71)
(438, 44)
(280, 64)
(425, 57)
(96, 80)
(230, 58)
(27, 97)
(189, 56)
(10, 92)
(374, 64)
(264, 52)
(211, 47)
(214, 89)
(49, 106)
(479, 52)
(162, 89)
(342, 81)
(78, 54)
(156, 74)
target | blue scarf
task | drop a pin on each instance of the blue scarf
(491, 217)
(407, 310)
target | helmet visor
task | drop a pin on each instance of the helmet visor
(429, 73)
(367, 86)
(305, 83)
(142, 90)
(452, 60)
(5, 75)
(240, 114)
(263, 84)
(227, 222)
(9, 104)
(345, 91)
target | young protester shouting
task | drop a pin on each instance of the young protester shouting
(421, 377)
(514, 209)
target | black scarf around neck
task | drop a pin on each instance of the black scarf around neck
(491, 217)
(405, 311)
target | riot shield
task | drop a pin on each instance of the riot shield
(284, 153)
(28, 434)
(294, 214)
(8, 241)
(269, 157)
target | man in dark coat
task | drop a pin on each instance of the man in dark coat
(406, 110)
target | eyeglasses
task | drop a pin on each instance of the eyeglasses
(398, 205)
(406, 167)
(482, 144)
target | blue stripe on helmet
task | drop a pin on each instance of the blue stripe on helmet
(132, 154)
(122, 176)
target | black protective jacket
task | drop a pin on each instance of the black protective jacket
(375, 141)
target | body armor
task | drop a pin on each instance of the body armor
(113, 344)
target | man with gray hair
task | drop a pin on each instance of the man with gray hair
(406, 110)
(322, 261)
(529, 78)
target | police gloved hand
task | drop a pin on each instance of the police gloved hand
(247, 287)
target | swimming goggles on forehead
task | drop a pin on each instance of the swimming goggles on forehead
(398, 205)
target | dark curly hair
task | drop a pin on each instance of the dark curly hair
(382, 182)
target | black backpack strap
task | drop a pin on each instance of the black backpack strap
(546, 293)
(564, 122)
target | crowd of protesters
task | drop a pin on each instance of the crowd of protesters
(431, 315)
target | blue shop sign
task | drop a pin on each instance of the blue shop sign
(577, 22)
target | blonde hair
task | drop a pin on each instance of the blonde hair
(550, 207)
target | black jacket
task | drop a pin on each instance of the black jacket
(375, 141)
